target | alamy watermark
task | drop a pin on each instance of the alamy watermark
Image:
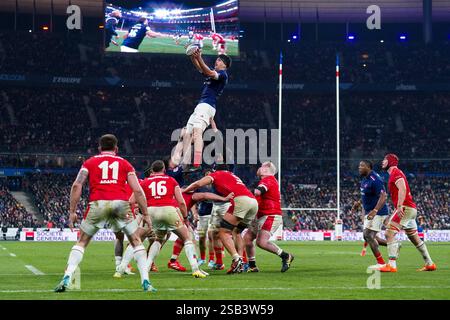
(232, 146)
(374, 280)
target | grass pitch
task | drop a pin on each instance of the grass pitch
(321, 270)
(168, 45)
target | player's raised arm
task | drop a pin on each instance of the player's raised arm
(75, 195)
(196, 64)
(154, 34)
(198, 184)
(197, 55)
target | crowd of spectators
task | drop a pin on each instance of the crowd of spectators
(67, 121)
(58, 127)
(430, 194)
(12, 213)
(51, 194)
(77, 55)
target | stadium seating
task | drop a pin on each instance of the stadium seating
(59, 127)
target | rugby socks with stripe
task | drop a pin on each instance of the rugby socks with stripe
(177, 247)
(155, 248)
(424, 251)
(392, 249)
(75, 257)
(219, 255)
(140, 255)
(190, 254)
(127, 256)
(379, 258)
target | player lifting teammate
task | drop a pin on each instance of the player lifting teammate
(168, 210)
(268, 219)
(403, 218)
(108, 203)
(215, 82)
(242, 211)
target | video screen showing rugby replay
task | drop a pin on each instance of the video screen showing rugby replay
(143, 26)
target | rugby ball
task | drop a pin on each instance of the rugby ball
(191, 49)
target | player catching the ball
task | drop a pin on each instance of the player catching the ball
(215, 82)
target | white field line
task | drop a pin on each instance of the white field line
(12, 254)
(233, 289)
(34, 270)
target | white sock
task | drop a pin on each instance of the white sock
(190, 254)
(392, 249)
(279, 250)
(141, 258)
(118, 260)
(153, 253)
(127, 256)
(174, 257)
(75, 257)
(236, 256)
(424, 251)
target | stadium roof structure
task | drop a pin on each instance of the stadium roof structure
(274, 10)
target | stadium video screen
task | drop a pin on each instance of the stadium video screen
(149, 26)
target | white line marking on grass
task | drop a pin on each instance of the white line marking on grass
(12, 254)
(34, 270)
(232, 289)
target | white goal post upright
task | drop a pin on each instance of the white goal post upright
(280, 101)
(338, 222)
(213, 24)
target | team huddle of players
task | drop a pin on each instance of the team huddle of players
(140, 30)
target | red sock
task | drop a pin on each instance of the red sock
(177, 247)
(202, 254)
(244, 257)
(211, 255)
(379, 258)
(218, 252)
(365, 244)
(197, 158)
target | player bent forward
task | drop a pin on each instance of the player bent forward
(242, 211)
(108, 203)
(268, 219)
(161, 191)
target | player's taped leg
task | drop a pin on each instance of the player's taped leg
(189, 249)
(226, 225)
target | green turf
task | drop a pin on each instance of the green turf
(321, 270)
(167, 45)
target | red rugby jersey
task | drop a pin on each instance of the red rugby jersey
(269, 203)
(160, 190)
(394, 176)
(226, 182)
(108, 175)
